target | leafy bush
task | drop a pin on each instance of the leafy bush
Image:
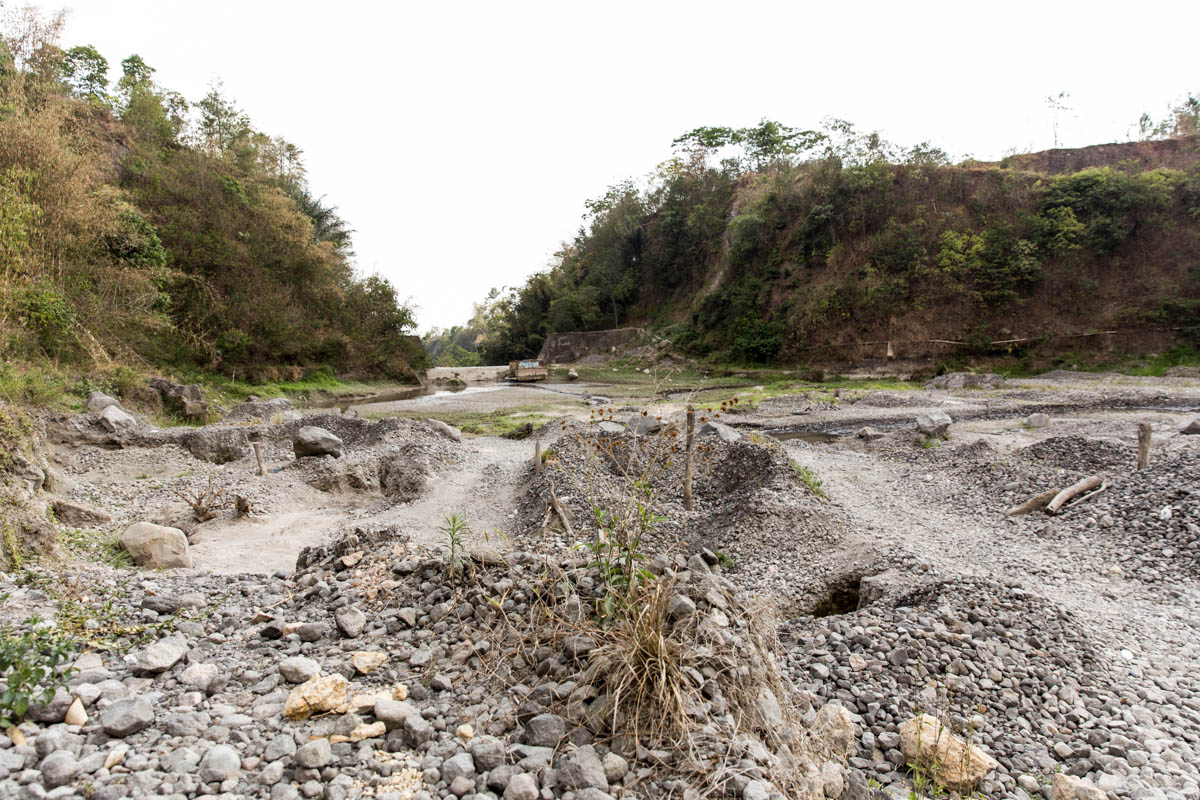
(42, 308)
(33, 664)
(1107, 203)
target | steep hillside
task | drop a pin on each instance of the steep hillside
(782, 257)
(142, 232)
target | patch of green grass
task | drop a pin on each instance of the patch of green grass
(42, 386)
(96, 546)
(810, 478)
(484, 423)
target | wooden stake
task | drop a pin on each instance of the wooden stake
(1143, 445)
(690, 446)
(537, 455)
(1085, 485)
(258, 455)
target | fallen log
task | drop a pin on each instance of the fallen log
(1085, 485)
(562, 513)
(1087, 496)
(1035, 503)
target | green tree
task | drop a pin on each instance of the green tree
(86, 71)
(762, 144)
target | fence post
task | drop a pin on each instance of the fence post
(537, 455)
(1143, 445)
(687, 464)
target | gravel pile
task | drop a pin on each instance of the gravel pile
(1145, 525)
(373, 671)
(894, 400)
(751, 506)
(1014, 674)
(1089, 456)
(151, 474)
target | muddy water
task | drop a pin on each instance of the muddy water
(819, 437)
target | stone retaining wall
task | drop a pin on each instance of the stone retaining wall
(564, 348)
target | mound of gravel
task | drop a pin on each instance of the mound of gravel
(881, 399)
(1010, 672)
(1080, 454)
(378, 669)
(750, 504)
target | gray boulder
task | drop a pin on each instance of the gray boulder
(79, 515)
(160, 656)
(572, 375)
(59, 768)
(220, 763)
(581, 769)
(545, 730)
(126, 717)
(115, 420)
(298, 669)
(933, 423)
(217, 445)
(313, 441)
(610, 428)
(98, 401)
(449, 431)
(1192, 428)
(459, 765)
(186, 401)
(1038, 420)
(314, 754)
(350, 621)
(966, 380)
(156, 546)
(522, 786)
(642, 424)
(721, 431)
(869, 433)
(393, 713)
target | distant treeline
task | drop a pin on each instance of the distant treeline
(764, 244)
(138, 227)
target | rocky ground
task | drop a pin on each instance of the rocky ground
(821, 594)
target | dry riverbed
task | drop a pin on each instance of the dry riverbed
(1060, 645)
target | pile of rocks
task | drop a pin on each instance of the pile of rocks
(1012, 673)
(1080, 454)
(749, 503)
(374, 671)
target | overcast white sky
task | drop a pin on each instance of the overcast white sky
(460, 139)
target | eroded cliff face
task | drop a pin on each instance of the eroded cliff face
(1182, 154)
(26, 478)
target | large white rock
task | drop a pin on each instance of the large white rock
(955, 764)
(156, 546)
(720, 431)
(98, 401)
(1068, 787)
(113, 419)
(933, 423)
(449, 431)
(313, 441)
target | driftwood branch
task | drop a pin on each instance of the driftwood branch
(1087, 496)
(562, 513)
(1085, 485)
(1035, 503)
